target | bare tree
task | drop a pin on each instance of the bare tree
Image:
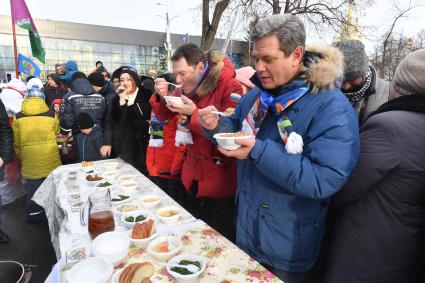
(209, 28)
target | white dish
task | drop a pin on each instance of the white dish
(228, 143)
(118, 210)
(92, 269)
(118, 202)
(129, 187)
(134, 214)
(113, 246)
(142, 243)
(112, 165)
(88, 169)
(174, 245)
(174, 100)
(150, 200)
(190, 278)
(124, 178)
(160, 213)
(111, 174)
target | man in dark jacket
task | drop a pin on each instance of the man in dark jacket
(6, 155)
(101, 86)
(81, 98)
(378, 231)
(361, 85)
(306, 145)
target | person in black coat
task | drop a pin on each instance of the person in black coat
(6, 154)
(378, 225)
(129, 119)
(53, 90)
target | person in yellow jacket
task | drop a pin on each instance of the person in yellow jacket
(34, 130)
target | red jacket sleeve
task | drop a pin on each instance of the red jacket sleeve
(160, 109)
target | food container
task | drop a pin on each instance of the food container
(113, 246)
(124, 178)
(126, 209)
(150, 200)
(181, 260)
(118, 199)
(142, 243)
(92, 269)
(134, 215)
(174, 100)
(169, 214)
(164, 248)
(227, 140)
(109, 166)
(129, 187)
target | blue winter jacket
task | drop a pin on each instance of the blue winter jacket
(283, 198)
(89, 145)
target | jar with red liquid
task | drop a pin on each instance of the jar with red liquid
(101, 218)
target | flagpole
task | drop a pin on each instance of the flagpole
(15, 47)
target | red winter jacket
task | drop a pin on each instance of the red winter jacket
(215, 179)
(167, 158)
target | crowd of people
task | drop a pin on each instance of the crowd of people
(331, 187)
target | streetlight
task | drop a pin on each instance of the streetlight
(168, 47)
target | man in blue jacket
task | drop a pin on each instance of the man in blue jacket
(306, 145)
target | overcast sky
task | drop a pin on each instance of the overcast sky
(146, 14)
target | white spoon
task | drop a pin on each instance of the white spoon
(191, 267)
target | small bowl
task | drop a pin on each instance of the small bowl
(171, 219)
(92, 269)
(113, 246)
(102, 184)
(134, 214)
(112, 165)
(124, 178)
(118, 202)
(129, 187)
(174, 100)
(111, 174)
(121, 213)
(190, 278)
(142, 243)
(93, 183)
(150, 200)
(228, 142)
(173, 242)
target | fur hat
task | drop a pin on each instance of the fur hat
(96, 79)
(409, 77)
(84, 121)
(355, 58)
(34, 91)
(133, 74)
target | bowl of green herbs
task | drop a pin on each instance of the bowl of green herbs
(186, 268)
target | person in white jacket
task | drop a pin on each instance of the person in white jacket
(12, 96)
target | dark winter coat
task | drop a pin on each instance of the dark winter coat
(378, 228)
(82, 98)
(108, 92)
(6, 136)
(89, 145)
(52, 93)
(129, 128)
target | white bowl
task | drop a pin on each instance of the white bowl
(169, 219)
(142, 243)
(93, 183)
(88, 169)
(174, 100)
(112, 165)
(228, 143)
(92, 269)
(116, 276)
(190, 278)
(119, 213)
(111, 174)
(134, 214)
(124, 178)
(129, 187)
(147, 201)
(103, 181)
(113, 246)
(118, 202)
(174, 243)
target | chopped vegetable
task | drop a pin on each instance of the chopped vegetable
(104, 184)
(137, 219)
(187, 262)
(185, 271)
(120, 198)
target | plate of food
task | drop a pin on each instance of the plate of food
(133, 218)
(164, 248)
(186, 267)
(93, 179)
(142, 233)
(120, 199)
(134, 272)
(127, 208)
(150, 200)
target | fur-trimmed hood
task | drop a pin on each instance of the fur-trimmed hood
(324, 66)
(219, 68)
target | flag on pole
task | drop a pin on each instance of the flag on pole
(185, 38)
(27, 66)
(22, 18)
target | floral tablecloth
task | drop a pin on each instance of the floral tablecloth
(226, 262)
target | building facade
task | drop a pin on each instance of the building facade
(87, 44)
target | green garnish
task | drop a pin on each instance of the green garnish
(185, 271)
(120, 198)
(104, 184)
(91, 171)
(137, 219)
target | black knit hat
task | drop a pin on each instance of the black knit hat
(84, 121)
(96, 79)
(77, 75)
